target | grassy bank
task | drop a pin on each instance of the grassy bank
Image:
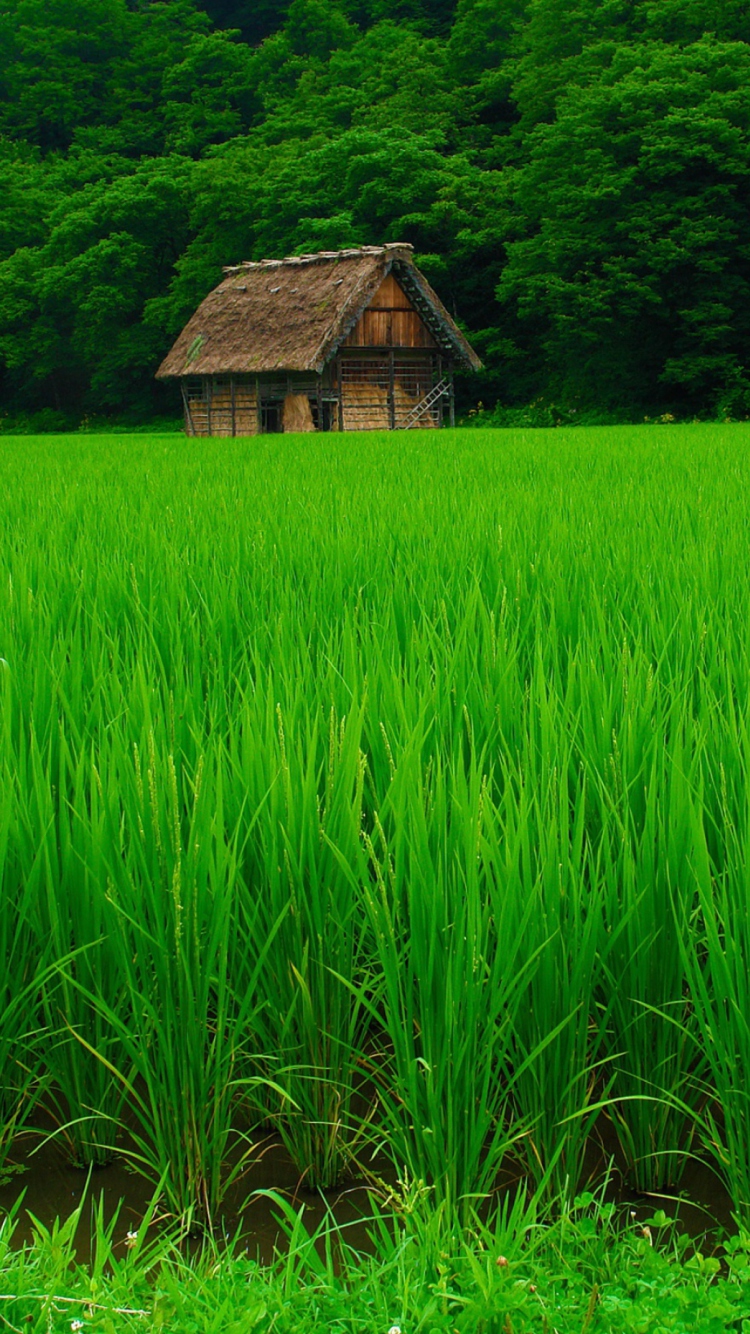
(388, 791)
(576, 1273)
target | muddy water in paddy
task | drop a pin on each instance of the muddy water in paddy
(52, 1187)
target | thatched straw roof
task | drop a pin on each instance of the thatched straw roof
(292, 314)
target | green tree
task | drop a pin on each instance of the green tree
(209, 97)
(635, 268)
(480, 50)
(57, 66)
(72, 332)
(681, 21)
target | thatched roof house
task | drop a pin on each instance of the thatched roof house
(342, 340)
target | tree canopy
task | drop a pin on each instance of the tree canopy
(574, 176)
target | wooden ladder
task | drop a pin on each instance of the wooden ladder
(425, 404)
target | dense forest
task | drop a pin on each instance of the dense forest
(574, 176)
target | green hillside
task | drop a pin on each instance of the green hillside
(574, 177)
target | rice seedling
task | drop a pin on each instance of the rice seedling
(312, 940)
(73, 921)
(184, 1025)
(22, 963)
(656, 1058)
(452, 976)
(22, 970)
(562, 1021)
(715, 956)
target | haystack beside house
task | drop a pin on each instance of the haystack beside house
(347, 340)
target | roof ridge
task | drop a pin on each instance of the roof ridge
(392, 248)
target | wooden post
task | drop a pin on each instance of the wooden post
(209, 396)
(439, 378)
(391, 391)
(258, 413)
(341, 393)
(189, 426)
(451, 400)
(320, 402)
(231, 391)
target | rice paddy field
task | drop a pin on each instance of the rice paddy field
(387, 793)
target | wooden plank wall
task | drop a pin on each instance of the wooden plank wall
(390, 321)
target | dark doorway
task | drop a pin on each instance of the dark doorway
(272, 416)
(325, 415)
(330, 415)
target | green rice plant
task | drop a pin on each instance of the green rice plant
(313, 939)
(452, 976)
(561, 1023)
(23, 964)
(184, 1027)
(22, 972)
(73, 920)
(656, 1060)
(716, 958)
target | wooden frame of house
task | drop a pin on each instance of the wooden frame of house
(346, 340)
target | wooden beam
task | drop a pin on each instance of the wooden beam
(451, 400)
(341, 393)
(365, 350)
(391, 392)
(189, 423)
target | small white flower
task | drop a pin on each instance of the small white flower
(130, 1239)
(394, 1329)
(76, 1325)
